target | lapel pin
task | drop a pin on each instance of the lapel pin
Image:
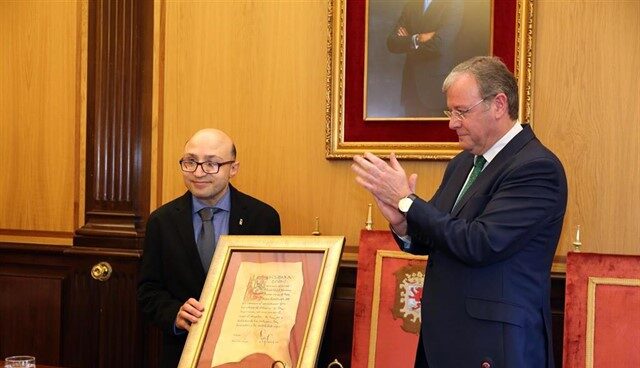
(240, 222)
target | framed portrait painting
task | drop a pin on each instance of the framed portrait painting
(265, 302)
(387, 61)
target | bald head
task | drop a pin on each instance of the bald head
(215, 149)
(212, 140)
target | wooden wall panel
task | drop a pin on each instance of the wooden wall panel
(257, 70)
(102, 315)
(31, 302)
(39, 119)
(587, 109)
(52, 308)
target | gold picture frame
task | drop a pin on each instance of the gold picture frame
(387, 302)
(594, 282)
(264, 296)
(379, 298)
(348, 132)
(601, 295)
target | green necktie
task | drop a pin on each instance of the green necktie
(477, 169)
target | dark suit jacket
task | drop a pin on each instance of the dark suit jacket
(486, 292)
(171, 270)
(426, 67)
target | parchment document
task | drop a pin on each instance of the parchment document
(261, 313)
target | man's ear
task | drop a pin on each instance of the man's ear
(234, 169)
(501, 105)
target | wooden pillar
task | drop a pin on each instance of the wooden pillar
(119, 85)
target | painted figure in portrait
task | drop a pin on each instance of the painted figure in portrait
(412, 46)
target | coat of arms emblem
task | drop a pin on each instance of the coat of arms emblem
(409, 282)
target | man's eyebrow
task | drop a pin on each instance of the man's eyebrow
(206, 158)
(459, 107)
(209, 157)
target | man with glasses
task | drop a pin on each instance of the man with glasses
(490, 230)
(181, 236)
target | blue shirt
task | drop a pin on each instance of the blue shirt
(220, 224)
(220, 218)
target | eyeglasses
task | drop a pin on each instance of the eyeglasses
(459, 114)
(209, 167)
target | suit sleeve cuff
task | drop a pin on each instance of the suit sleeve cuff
(406, 239)
(414, 41)
(178, 331)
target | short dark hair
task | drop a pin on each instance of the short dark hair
(492, 76)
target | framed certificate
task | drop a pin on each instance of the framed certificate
(266, 299)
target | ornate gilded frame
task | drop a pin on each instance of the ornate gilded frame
(337, 147)
(319, 257)
(381, 255)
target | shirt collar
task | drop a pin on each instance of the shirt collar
(223, 204)
(499, 145)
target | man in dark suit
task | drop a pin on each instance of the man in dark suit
(180, 240)
(426, 33)
(491, 229)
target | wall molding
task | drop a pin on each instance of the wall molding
(118, 135)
